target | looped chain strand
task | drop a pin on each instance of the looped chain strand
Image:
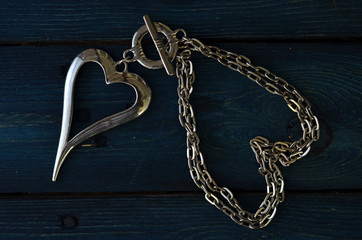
(267, 153)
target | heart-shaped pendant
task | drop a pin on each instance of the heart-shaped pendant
(143, 98)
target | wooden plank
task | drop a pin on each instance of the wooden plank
(118, 20)
(148, 154)
(303, 216)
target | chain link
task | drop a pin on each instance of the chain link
(267, 153)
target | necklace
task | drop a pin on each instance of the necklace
(179, 48)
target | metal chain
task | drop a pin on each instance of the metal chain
(267, 153)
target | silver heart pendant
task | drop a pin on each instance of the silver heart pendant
(143, 98)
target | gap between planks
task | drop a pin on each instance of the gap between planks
(204, 40)
(61, 195)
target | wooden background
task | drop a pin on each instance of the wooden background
(135, 184)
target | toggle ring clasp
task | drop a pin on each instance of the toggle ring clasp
(166, 55)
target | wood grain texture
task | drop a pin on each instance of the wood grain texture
(148, 154)
(303, 216)
(110, 20)
(137, 185)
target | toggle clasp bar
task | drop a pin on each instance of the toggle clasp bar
(167, 53)
(159, 46)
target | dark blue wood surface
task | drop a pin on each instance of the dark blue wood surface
(110, 20)
(182, 216)
(137, 185)
(149, 153)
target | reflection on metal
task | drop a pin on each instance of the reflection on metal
(143, 98)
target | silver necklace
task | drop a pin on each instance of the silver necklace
(179, 48)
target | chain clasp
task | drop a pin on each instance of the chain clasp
(167, 55)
